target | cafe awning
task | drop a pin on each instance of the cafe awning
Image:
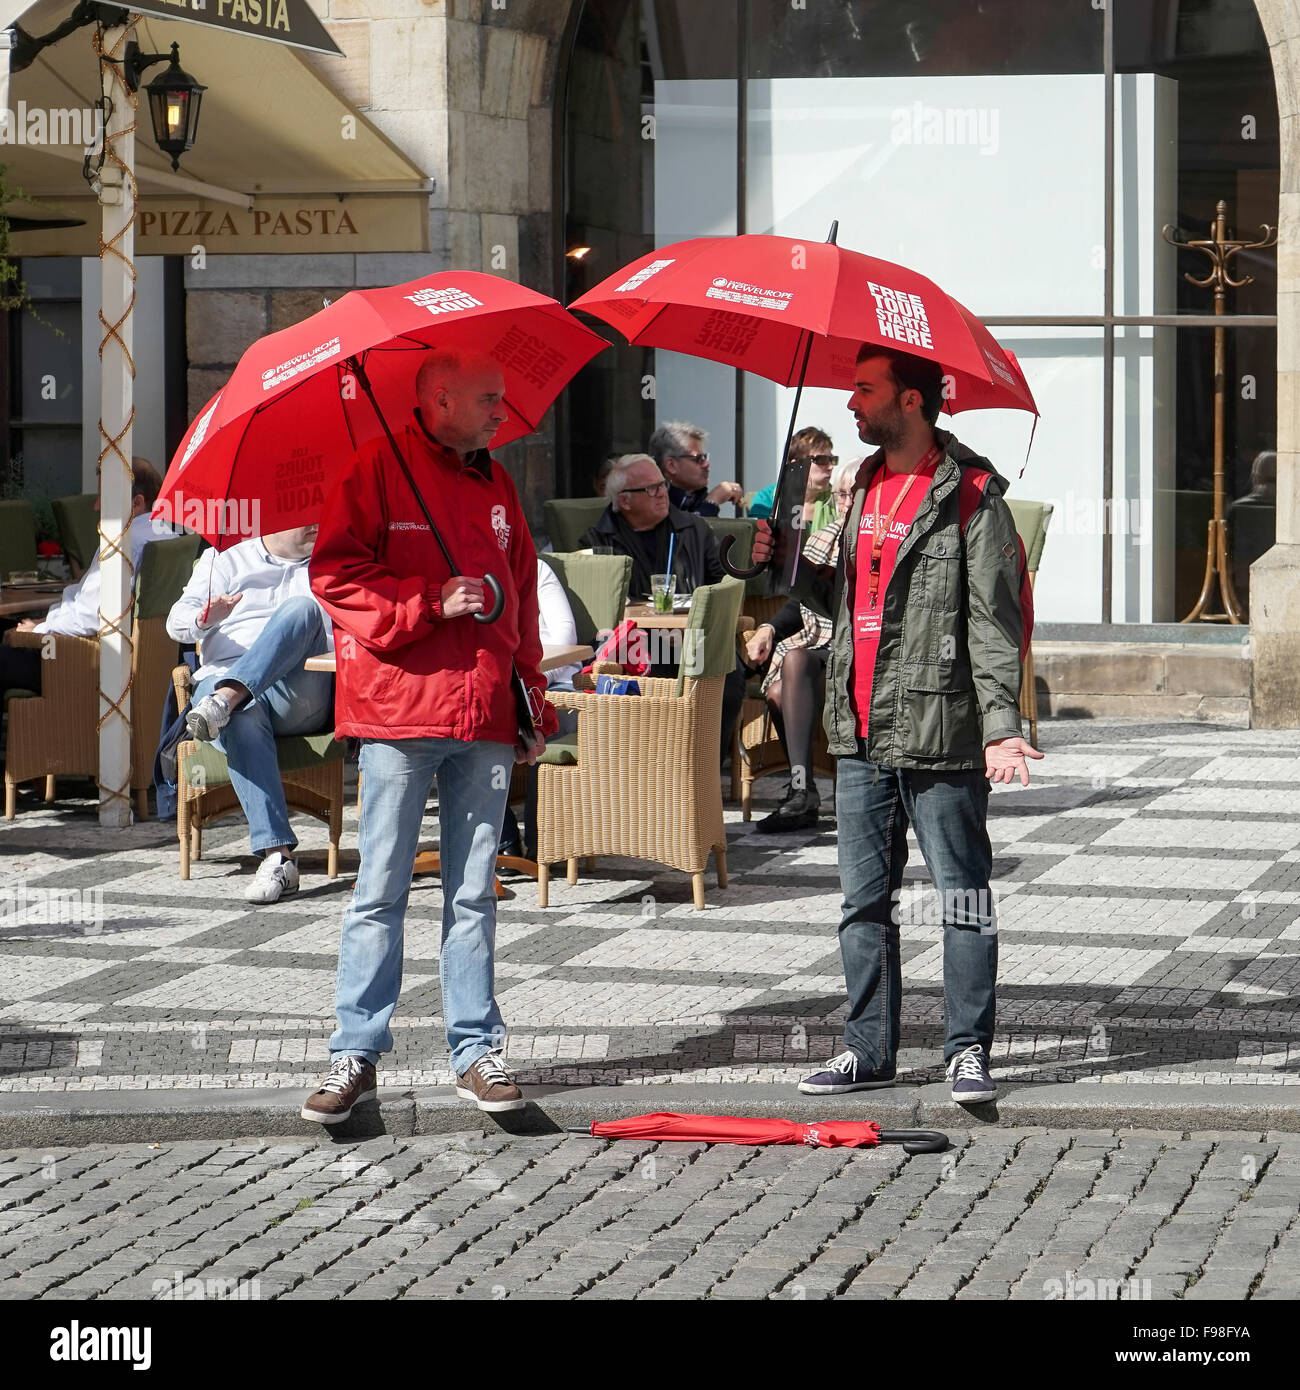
(282, 163)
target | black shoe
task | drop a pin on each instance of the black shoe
(846, 1073)
(799, 811)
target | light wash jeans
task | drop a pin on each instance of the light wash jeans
(285, 700)
(949, 811)
(473, 783)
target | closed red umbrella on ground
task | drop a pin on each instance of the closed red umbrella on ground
(263, 452)
(733, 1129)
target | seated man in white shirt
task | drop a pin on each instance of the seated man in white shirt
(252, 610)
(77, 612)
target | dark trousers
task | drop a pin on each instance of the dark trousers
(949, 810)
(20, 668)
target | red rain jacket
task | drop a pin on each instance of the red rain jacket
(407, 671)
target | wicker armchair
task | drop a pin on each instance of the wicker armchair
(78, 524)
(55, 734)
(1032, 519)
(311, 772)
(645, 782)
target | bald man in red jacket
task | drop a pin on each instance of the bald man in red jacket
(429, 693)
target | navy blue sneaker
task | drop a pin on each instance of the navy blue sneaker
(845, 1073)
(968, 1071)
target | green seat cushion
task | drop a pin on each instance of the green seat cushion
(562, 750)
(293, 752)
(19, 694)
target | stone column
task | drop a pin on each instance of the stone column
(1275, 576)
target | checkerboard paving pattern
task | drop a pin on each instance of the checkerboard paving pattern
(1147, 889)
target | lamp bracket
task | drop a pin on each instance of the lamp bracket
(27, 46)
(135, 61)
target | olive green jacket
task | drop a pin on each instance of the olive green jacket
(947, 677)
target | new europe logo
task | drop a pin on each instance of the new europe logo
(737, 292)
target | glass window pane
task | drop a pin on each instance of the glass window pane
(922, 38)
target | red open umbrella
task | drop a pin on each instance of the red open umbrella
(269, 443)
(732, 1129)
(797, 312)
(763, 302)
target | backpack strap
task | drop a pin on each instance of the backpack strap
(970, 492)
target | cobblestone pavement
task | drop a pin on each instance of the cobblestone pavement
(1005, 1214)
(1149, 915)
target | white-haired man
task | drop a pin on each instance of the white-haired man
(681, 450)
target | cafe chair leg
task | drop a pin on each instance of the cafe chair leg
(543, 885)
(720, 859)
(49, 789)
(141, 802)
(11, 797)
(573, 872)
(697, 891)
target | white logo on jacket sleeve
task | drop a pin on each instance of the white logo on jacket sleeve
(501, 526)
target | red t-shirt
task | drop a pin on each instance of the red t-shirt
(866, 616)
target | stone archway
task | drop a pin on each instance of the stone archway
(1275, 576)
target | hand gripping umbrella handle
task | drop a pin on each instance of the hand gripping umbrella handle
(724, 549)
(493, 586)
(916, 1141)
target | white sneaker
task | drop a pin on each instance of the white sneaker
(275, 877)
(207, 719)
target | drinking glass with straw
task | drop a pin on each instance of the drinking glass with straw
(663, 585)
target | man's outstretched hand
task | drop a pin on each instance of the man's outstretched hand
(1004, 759)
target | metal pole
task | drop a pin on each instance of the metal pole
(116, 415)
(742, 218)
(1108, 308)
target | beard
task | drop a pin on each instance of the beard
(884, 429)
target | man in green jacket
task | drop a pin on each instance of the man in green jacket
(922, 712)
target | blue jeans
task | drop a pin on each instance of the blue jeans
(285, 699)
(473, 783)
(949, 811)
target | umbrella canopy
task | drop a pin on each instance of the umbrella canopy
(262, 454)
(755, 302)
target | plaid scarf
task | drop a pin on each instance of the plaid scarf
(821, 548)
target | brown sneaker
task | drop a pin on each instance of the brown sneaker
(351, 1082)
(488, 1083)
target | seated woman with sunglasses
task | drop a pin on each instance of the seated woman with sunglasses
(814, 446)
(797, 641)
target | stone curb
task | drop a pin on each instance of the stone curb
(116, 1117)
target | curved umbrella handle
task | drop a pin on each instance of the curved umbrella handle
(916, 1141)
(493, 585)
(724, 549)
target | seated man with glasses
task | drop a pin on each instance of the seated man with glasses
(681, 450)
(638, 522)
(813, 445)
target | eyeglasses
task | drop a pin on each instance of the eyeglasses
(821, 460)
(654, 489)
(693, 458)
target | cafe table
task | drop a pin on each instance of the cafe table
(20, 600)
(643, 615)
(429, 862)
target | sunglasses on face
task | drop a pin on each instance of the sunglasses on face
(821, 460)
(654, 489)
(693, 458)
